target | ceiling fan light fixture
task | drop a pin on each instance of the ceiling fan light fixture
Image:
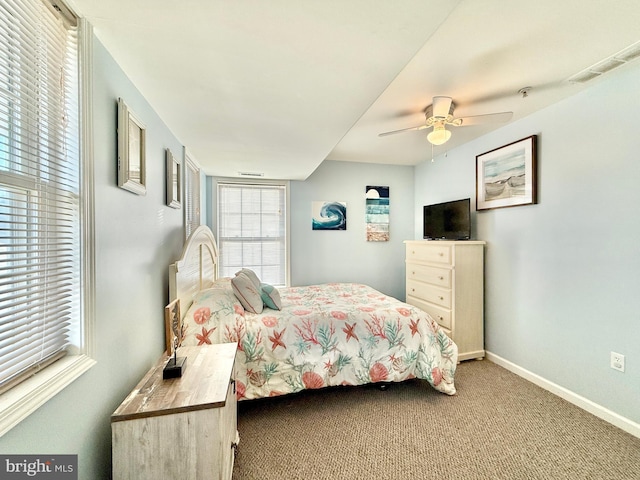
(439, 135)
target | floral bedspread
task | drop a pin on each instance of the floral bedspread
(325, 335)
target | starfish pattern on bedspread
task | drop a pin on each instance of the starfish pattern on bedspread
(324, 335)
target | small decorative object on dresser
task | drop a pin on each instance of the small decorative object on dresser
(183, 428)
(446, 280)
(175, 366)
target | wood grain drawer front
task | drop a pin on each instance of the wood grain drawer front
(440, 315)
(433, 275)
(429, 293)
(431, 253)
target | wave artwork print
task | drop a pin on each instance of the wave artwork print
(329, 216)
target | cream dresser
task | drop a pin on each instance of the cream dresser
(180, 428)
(446, 280)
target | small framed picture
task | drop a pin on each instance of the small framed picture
(174, 181)
(507, 176)
(328, 215)
(173, 326)
(131, 151)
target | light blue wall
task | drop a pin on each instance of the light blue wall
(562, 277)
(136, 237)
(346, 256)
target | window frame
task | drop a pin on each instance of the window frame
(279, 183)
(23, 399)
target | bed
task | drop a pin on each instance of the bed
(322, 335)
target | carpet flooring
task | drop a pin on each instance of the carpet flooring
(498, 426)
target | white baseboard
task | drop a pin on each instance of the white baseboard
(599, 411)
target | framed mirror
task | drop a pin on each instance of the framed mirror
(131, 151)
(174, 181)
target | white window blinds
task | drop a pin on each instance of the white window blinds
(252, 230)
(39, 188)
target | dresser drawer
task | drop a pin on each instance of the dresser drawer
(431, 253)
(429, 293)
(433, 275)
(440, 315)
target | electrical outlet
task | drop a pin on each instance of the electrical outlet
(617, 361)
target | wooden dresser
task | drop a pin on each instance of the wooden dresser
(180, 428)
(446, 280)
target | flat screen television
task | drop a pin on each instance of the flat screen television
(448, 220)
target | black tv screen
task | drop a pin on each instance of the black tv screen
(448, 220)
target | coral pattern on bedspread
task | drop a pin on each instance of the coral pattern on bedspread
(325, 335)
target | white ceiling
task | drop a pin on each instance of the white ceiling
(276, 87)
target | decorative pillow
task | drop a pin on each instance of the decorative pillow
(248, 294)
(270, 296)
(252, 275)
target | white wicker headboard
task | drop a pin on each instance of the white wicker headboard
(196, 269)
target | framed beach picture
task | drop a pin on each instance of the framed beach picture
(507, 176)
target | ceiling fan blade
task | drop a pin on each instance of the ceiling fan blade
(482, 119)
(441, 106)
(420, 127)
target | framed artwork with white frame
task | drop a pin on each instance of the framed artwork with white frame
(131, 151)
(174, 181)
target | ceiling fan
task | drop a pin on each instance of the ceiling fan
(440, 113)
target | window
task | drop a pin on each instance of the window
(45, 202)
(191, 197)
(252, 230)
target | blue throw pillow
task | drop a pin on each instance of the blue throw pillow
(270, 296)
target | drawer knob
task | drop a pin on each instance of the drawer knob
(440, 277)
(440, 317)
(441, 254)
(441, 297)
(413, 289)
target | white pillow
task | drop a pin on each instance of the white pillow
(247, 293)
(252, 275)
